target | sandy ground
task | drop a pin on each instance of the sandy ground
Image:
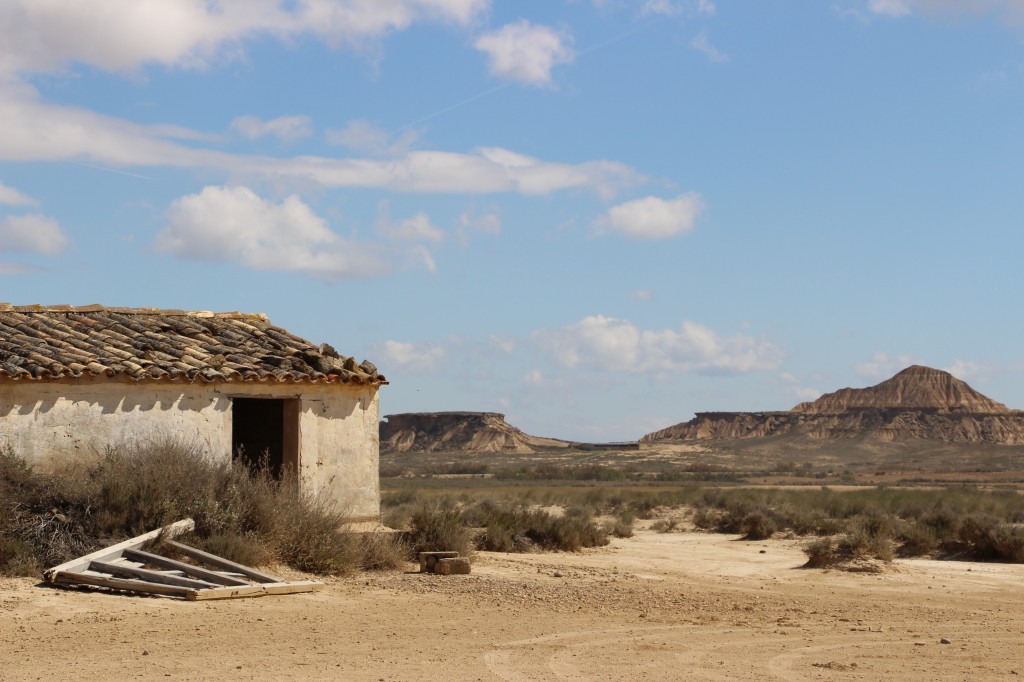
(680, 606)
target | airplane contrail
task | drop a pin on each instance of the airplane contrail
(109, 170)
(593, 48)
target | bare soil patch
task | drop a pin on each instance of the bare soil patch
(674, 606)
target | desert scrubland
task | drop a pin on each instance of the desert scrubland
(656, 606)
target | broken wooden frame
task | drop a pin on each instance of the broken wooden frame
(122, 567)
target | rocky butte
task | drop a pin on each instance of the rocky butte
(458, 432)
(470, 432)
(919, 404)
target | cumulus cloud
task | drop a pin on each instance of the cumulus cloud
(12, 197)
(285, 128)
(652, 217)
(417, 228)
(968, 370)
(234, 224)
(616, 345)
(32, 233)
(882, 365)
(412, 358)
(118, 35)
(471, 223)
(525, 52)
(503, 344)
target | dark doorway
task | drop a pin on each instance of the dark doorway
(264, 432)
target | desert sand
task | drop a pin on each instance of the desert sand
(679, 606)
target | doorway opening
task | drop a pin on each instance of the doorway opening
(265, 433)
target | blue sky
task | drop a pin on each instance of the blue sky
(594, 216)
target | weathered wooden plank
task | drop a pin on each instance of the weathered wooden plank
(261, 590)
(220, 562)
(114, 551)
(187, 569)
(127, 584)
(149, 576)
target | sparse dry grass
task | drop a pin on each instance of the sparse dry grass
(952, 522)
(245, 516)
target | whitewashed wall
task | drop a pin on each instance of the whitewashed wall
(50, 423)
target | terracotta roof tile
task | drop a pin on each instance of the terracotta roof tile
(58, 342)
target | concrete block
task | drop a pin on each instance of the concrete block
(452, 566)
(429, 559)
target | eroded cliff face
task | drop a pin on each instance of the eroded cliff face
(918, 404)
(457, 432)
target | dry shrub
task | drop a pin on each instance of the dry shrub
(439, 527)
(757, 526)
(622, 527)
(917, 539)
(248, 517)
(238, 548)
(666, 525)
(847, 549)
(382, 551)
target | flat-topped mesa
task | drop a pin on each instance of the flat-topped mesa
(457, 432)
(915, 388)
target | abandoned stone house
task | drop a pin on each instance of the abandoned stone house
(75, 380)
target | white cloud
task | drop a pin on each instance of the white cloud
(641, 295)
(234, 224)
(968, 370)
(421, 255)
(417, 228)
(890, 8)
(366, 138)
(471, 223)
(118, 35)
(534, 378)
(285, 128)
(663, 7)
(1008, 11)
(882, 366)
(12, 197)
(36, 131)
(503, 344)
(526, 53)
(806, 393)
(702, 44)
(32, 233)
(611, 344)
(652, 217)
(706, 7)
(412, 358)
(796, 387)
